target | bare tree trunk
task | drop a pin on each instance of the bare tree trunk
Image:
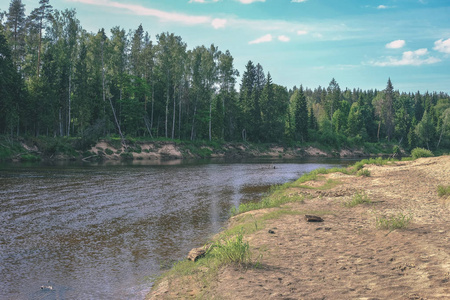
(117, 123)
(193, 120)
(210, 117)
(174, 112)
(167, 106)
(103, 84)
(153, 101)
(70, 83)
(179, 119)
(444, 124)
(60, 123)
(39, 48)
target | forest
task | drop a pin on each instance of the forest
(58, 80)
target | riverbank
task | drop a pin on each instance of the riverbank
(385, 234)
(56, 149)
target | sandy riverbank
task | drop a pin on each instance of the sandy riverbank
(170, 150)
(346, 256)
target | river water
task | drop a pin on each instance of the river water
(106, 231)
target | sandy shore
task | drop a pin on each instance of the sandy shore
(346, 256)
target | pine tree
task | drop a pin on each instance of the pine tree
(300, 115)
(39, 16)
(15, 25)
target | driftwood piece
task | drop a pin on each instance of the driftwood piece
(196, 253)
(310, 218)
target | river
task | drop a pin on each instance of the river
(106, 231)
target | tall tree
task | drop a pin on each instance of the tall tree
(227, 80)
(40, 16)
(11, 89)
(300, 115)
(15, 25)
(136, 55)
(384, 108)
(170, 55)
(333, 97)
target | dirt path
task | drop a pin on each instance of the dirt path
(346, 256)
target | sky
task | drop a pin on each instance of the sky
(360, 43)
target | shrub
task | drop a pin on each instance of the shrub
(443, 190)
(109, 151)
(231, 250)
(399, 221)
(421, 152)
(363, 172)
(358, 198)
(126, 156)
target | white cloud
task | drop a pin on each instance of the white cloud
(162, 15)
(382, 7)
(250, 1)
(396, 44)
(302, 32)
(298, 1)
(202, 1)
(283, 38)
(442, 46)
(218, 23)
(264, 39)
(409, 58)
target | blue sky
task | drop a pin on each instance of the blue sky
(360, 43)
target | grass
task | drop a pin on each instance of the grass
(420, 152)
(231, 250)
(228, 248)
(443, 190)
(398, 221)
(363, 172)
(277, 195)
(358, 198)
(274, 198)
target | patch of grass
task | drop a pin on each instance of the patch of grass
(363, 172)
(329, 184)
(398, 221)
(358, 198)
(276, 197)
(226, 250)
(231, 250)
(421, 152)
(109, 151)
(443, 190)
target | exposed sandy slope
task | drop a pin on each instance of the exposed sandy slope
(346, 256)
(169, 150)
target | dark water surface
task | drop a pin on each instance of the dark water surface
(105, 231)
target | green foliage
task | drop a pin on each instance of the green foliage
(358, 198)
(91, 85)
(398, 221)
(9, 148)
(109, 151)
(274, 198)
(90, 135)
(126, 155)
(54, 146)
(30, 158)
(443, 190)
(231, 250)
(363, 172)
(421, 152)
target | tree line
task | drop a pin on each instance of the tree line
(57, 79)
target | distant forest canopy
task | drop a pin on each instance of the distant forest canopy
(56, 79)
